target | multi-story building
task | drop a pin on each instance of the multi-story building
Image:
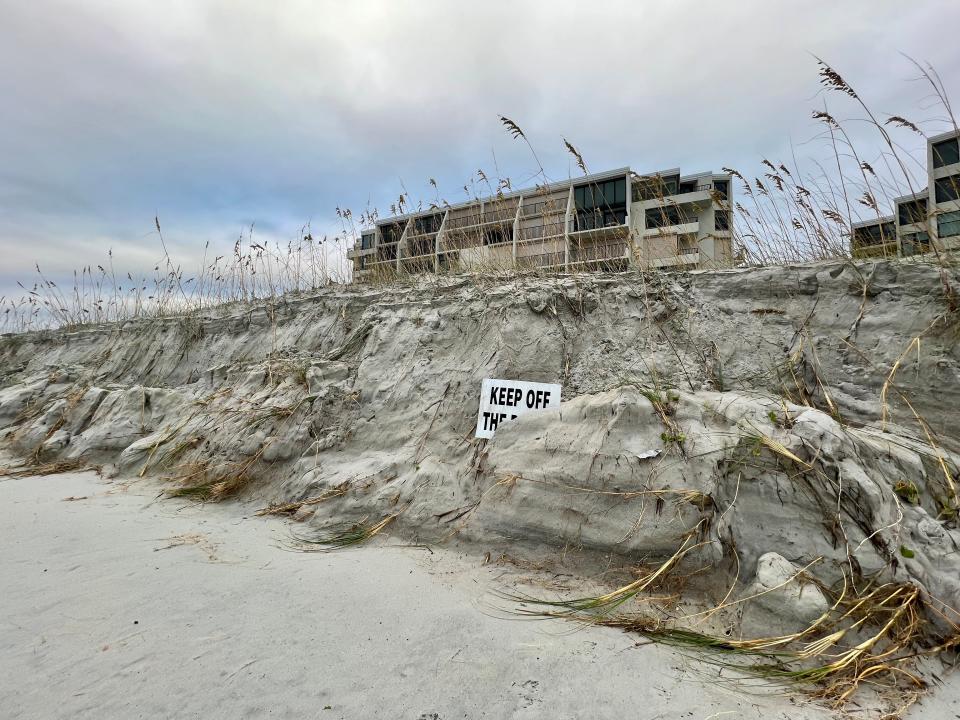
(609, 220)
(874, 238)
(925, 220)
(943, 169)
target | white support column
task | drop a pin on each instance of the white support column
(631, 259)
(566, 230)
(516, 230)
(403, 240)
(436, 242)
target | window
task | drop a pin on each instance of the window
(913, 243)
(366, 240)
(387, 252)
(392, 232)
(665, 217)
(948, 224)
(687, 244)
(721, 220)
(722, 188)
(946, 153)
(911, 212)
(497, 235)
(426, 225)
(947, 189)
(655, 188)
(876, 234)
(601, 204)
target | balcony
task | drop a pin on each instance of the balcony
(687, 258)
(542, 232)
(387, 252)
(420, 244)
(541, 260)
(875, 250)
(699, 194)
(545, 209)
(681, 227)
(477, 220)
(591, 252)
(360, 252)
(418, 263)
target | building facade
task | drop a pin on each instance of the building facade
(609, 220)
(925, 220)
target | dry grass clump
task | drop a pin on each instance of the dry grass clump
(291, 507)
(48, 468)
(353, 535)
(599, 606)
(872, 635)
(206, 483)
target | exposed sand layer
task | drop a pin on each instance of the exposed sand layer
(790, 430)
(117, 605)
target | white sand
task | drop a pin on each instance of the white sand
(102, 618)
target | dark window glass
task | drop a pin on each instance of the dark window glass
(914, 211)
(947, 189)
(913, 243)
(948, 224)
(426, 225)
(874, 234)
(496, 235)
(366, 241)
(722, 187)
(946, 153)
(391, 233)
(600, 205)
(665, 217)
(721, 220)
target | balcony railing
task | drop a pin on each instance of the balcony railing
(387, 252)
(591, 252)
(460, 239)
(539, 232)
(548, 259)
(670, 226)
(544, 208)
(478, 219)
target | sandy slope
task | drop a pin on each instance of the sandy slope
(120, 606)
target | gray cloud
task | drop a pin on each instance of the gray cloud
(216, 115)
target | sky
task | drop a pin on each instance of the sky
(215, 116)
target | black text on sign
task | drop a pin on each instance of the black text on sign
(503, 400)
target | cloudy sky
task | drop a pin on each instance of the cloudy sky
(217, 115)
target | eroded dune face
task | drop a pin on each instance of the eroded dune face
(775, 418)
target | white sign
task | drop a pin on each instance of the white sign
(502, 400)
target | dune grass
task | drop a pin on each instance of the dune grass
(342, 538)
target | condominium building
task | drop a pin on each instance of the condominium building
(611, 220)
(874, 238)
(924, 220)
(943, 163)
